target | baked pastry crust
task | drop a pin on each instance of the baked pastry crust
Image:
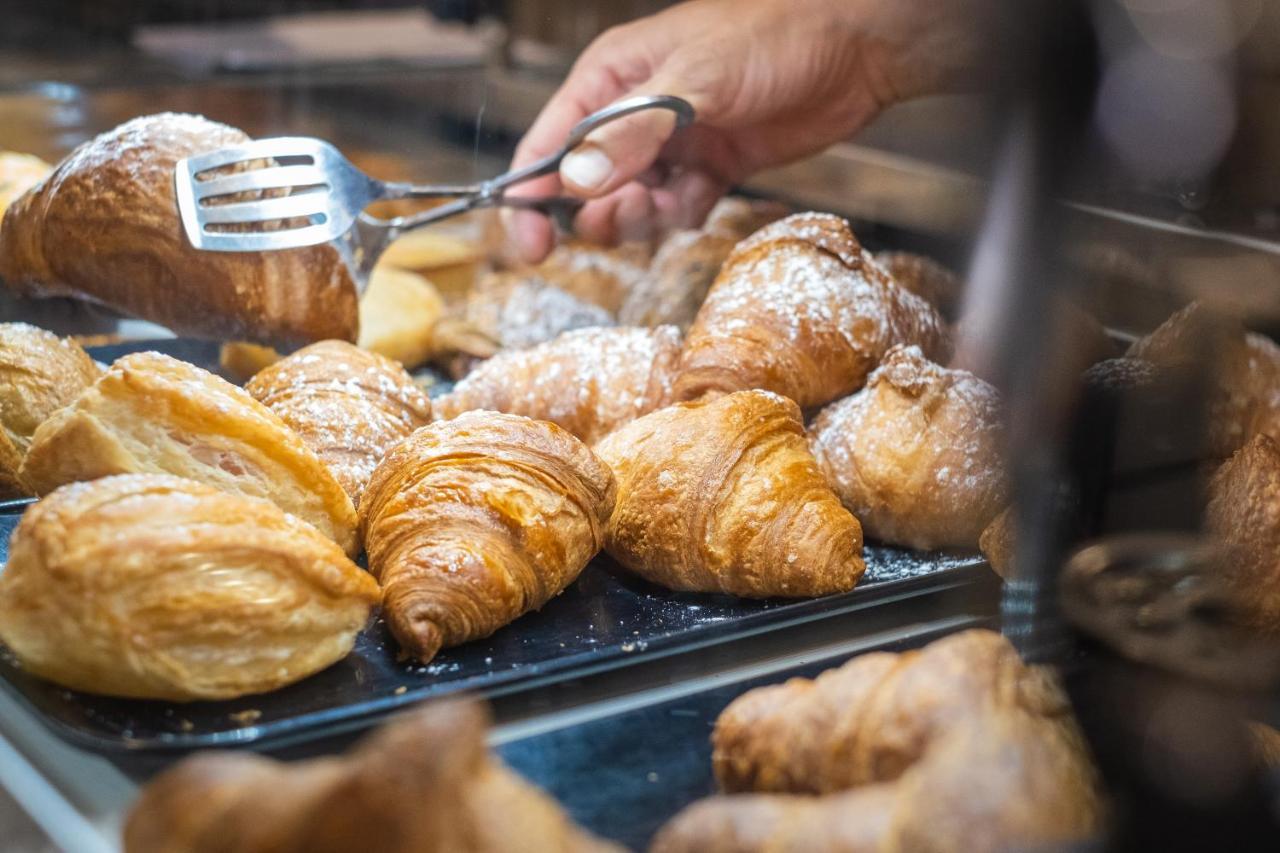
(801, 309)
(104, 226)
(516, 311)
(723, 496)
(589, 381)
(678, 281)
(39, 374)
(349, 406)
(926, 278)
(1244, 512)
(155, 587)
(425, 782)
(19, 173)
(916, 455)
(472, 522)
(150, 413)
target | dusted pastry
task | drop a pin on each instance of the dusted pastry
(997, 542)
(19, 173)
(800, 308)
(472, 522)
(347, 405)
(596, 274)
(516, 311)
(155, 587)
(737, 217)
(39, 374)
(154, 414)
(1244, 511)
(722, 496)
(994, 782)
(874, 717)
(916, 455)
(678, 280)
(104, 227)
(424, 783)
(924, 277)
(588, 381)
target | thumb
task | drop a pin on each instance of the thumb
(621, 150)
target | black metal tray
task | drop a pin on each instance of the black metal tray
(623, 775)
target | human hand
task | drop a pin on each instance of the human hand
(771, 81)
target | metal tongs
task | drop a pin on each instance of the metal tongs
(305, 193)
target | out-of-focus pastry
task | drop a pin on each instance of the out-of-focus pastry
(916, 455)
(348, 405)
(517, 311)
(155, 587)
(452, 263)
(154, 414)
(425, 782)
(1076, 341)
(19, 173)
(924, 277)
(104, 227)
(39, 374)
(678, 279)
(722, 495)
(1244, 512)
(472, 522)
(588, 381)
(737, 217)
(997, 543)
(801, 309)
(241, 360)
(597, 275)
(404, 318)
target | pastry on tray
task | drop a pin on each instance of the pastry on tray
(722, 495)
(916, 455)
(588, 381)
(39, 374)
(150, 413)
(926, 278)
(403, 317)
(423, 782)
(155, 587)
(472, 522)
(678, 279)
(349, 406)
(516, 311)
(1244, 513)
(801, 309)
(104, 227)
(596, 274)
(19, 173)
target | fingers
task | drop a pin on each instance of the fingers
(616, 153)
(637, 212)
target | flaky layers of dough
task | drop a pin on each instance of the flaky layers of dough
(349, 406)
(723, 496)
(916, 455)
(1244, 512)
(588, 381)
(474, 521)
(422, 784)
(104, 226)
(155, 587)
(154, 414)
(800, 308)
(39, 374)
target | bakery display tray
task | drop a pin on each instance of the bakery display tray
(624, 774)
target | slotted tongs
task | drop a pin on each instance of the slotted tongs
(317, 196)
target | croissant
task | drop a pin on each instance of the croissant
(424, 783)
(722, 496)
(104, 227)
(596, 274)
(472, 522)
(994, 782)
(154, 414)
(916, 455)
(801, 309)
(516, 311)
(155, 587)
(39, 374)
(349, 406)
(737, 217)
(1244, 512)
(19, 173)
(588, 381)
(924, 277)
(679, 277)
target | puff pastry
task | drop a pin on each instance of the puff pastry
(517, 311)
(472, 522)
(104, 226)
(916, 455)
(737, 217)
(679, 278)
(425, 783)
(588, 381)
(596, 274)
(349, 406)
(39, 374)
(723, 496)
(801, 309)
(1244, 512)
(19, 173)
(154, 414)
(155, 587)
(924, 277)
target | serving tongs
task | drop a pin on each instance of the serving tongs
(304, 192)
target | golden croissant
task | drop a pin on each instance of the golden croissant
(474, 521)
(104, 226)
(800, 308)
(155, 587)
(39, 374)
(1244, 512)
(347, 405)
(916, 455)
(723, 496)
(154, 414)
(588, 381)
(422, 784)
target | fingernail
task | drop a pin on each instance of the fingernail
(586, 168)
